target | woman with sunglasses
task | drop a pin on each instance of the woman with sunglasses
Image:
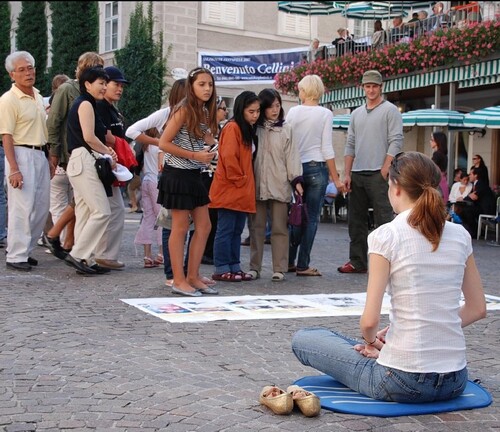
(420, 356)
(478, 163)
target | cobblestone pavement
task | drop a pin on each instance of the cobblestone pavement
(73, 357)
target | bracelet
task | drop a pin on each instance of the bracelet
(370, 343)
(14, 173)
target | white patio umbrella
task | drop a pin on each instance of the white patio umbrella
(310, 7)
(433, 117)
(341, 121)
(484, 118)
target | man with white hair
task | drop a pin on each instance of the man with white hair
(24, 137)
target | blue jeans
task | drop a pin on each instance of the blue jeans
(3, 200)
(315, 176)
(333, 354)
(167, 265)
(227, 243)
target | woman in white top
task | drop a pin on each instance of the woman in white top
(311, 127)
(425, 264)
(460, 189)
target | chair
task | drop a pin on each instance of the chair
(489, 220)
(328, 210)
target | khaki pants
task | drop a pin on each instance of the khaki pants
(92, 210)
(279, 235)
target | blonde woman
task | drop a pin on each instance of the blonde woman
(311, 127)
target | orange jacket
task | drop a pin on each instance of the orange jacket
(233, 187)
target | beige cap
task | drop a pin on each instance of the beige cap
(372, 77)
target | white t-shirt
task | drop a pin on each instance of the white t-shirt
(312, 132)
(425, 290)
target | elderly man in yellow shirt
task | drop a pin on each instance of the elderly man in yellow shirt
(24, 136)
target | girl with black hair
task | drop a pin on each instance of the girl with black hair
(277, 169)
(233, 187)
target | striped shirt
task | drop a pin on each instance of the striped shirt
(184, 140)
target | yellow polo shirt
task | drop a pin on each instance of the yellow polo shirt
(23, 117)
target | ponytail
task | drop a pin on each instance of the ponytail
(419, 177)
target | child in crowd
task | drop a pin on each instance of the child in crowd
(181, 189)
(233, 187)
(277, 170)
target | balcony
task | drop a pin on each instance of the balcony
(423, 53)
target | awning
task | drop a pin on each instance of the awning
(483, 73)
(341, 121)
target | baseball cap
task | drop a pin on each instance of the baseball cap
(372, 77)
(115, 74)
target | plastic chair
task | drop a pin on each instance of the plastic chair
(489, 220)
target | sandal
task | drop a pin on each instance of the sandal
(308, 272)
(244, 276)
(227, 277)
(254, 274)
(159, 259)
(149, 262)
(278, 277)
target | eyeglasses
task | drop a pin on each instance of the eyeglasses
(196, 71)
(394, 163)
(475, 158)
(223, 108)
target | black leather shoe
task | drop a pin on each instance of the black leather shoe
(32, 261)
(99, 269)
(80, 266)
(21, 266)
(54, 245)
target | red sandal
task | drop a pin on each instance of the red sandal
(244, 276)
(227, 277)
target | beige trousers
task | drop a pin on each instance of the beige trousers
(279, 235)
(110, 244)
(92, 210)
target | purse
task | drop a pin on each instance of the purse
(297, 216)
(105, 173)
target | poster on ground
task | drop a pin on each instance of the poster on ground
(215, 308)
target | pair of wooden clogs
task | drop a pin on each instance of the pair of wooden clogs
(282, 403)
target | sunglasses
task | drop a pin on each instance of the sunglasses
(223, 108)
(395, 160)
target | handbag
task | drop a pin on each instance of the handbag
(105, 173)
(297, 216)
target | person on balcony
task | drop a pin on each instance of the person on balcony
(378, 37)
(315, 51)
(398, 30)
(344, 44)
(438, 19)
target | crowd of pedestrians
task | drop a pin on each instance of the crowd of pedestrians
(203, 173)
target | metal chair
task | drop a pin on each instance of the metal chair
(489, 221)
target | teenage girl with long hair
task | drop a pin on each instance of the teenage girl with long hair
(181, 189)
(233, 187)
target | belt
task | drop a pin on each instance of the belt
(32, 147)
(314, 163)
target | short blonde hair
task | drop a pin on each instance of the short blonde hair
(312, 87)
(88, 60)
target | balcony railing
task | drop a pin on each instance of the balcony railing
(459, 17)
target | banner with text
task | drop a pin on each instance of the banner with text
(252, 67)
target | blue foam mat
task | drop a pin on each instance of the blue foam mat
(335, 396)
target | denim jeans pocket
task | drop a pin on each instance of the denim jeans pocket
(396, 386)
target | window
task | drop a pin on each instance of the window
(364, 27)
(111, 26)
(228, 14)
(296, 25)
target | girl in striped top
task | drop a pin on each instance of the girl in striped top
(181, 189)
